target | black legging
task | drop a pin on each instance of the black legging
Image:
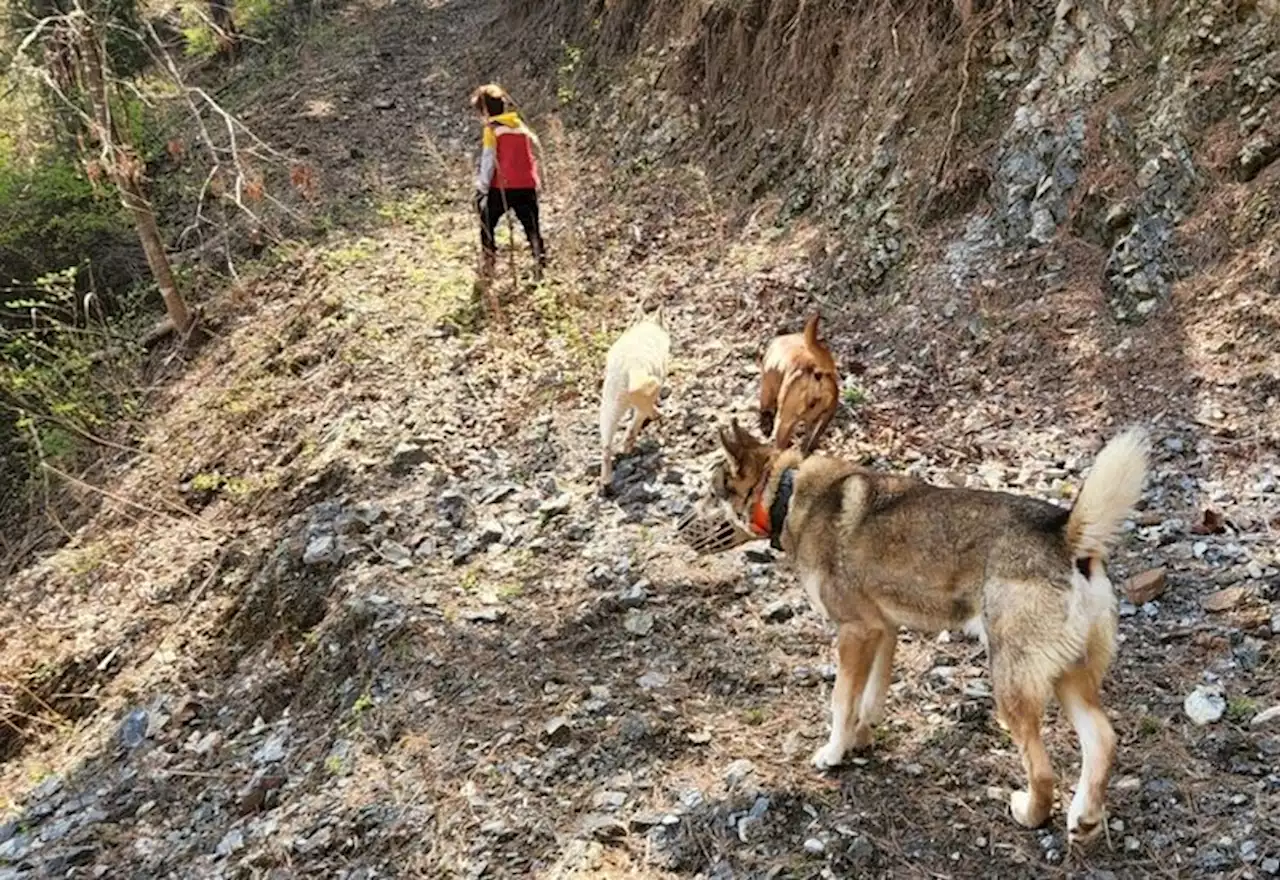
(525, 203)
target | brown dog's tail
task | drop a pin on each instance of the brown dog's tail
(1110, 491)
(823, 361)
(811, 332)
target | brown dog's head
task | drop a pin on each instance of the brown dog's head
(722, 518)
(810, 389)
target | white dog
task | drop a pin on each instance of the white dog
(634, 372)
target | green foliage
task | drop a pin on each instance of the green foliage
(269, 23)
(1240, 709)
(63, 378)
(126, 53)
(120, 23)
(853, 396)
(570, 61)
(51, 218)
(59, 239)
(214, 482)
(197, 35)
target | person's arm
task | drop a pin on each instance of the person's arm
(538, 163)
(488, 162)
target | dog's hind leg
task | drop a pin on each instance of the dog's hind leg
(640, 416)
(1078, 693)
(856, 647)
(1021, 711)
(610, 413)
(871, 705)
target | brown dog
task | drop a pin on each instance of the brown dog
(877, 551)
(798, 384)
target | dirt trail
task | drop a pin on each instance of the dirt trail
(372, 620)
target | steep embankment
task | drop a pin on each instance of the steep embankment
(353, 608)
(1059, 190)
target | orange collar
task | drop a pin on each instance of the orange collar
(759, 513)
(767, 522)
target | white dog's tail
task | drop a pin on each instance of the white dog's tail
(1109, 492)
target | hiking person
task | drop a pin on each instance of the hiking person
(507, 179)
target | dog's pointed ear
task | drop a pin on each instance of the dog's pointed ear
(729, 440)
(743, 436)
(732, 450)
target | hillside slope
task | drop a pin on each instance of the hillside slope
(353, 608)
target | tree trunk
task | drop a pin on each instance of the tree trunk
(221, 14)
(144, 221)
(126, 173)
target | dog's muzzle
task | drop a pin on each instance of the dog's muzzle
(713, 529)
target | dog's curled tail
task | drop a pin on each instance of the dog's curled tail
(811, 331)
(1109, 492)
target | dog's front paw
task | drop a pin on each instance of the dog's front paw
(863, 737)
(1025, 812)
(830, 755)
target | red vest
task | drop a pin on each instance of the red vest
(516, 168)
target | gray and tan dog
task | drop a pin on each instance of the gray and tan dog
(877, 551)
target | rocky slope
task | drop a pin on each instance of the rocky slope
(354, 609)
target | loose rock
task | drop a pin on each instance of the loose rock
(270, 751)
(1211, 523)
(605, 828)
(558, 731)
(638, 623)
(407, 456)
(651, 680)
(491, 532)
(1205, 705)
(609, 800)
(322, 550)
(1266, 716)
(644, 821)
(1148, 585)
(556, 506)
(779, 611)
(1223, 600)
(738, 771)
(231, 842)
(634, 596)
(133, 730)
